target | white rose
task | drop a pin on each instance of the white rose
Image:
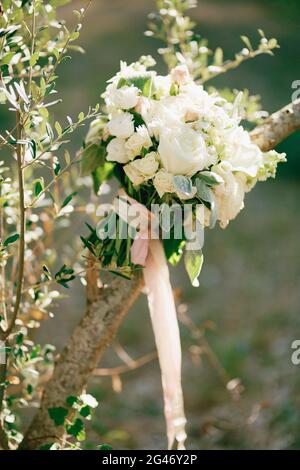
(183, 151)
(134, 175)
(121, 125)
(163, 183)
(126, 97)
(139, 140)
(229, 196)
(142, 169)
(116, 151)
(241, 153)
(180, 74)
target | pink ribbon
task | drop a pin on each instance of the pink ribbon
(150, 254)
(165, 326)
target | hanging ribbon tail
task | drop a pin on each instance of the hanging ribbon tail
(167, 338)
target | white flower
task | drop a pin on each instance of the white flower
(89, 400)
(126, 97)
(183, 151)
(142, 106)
(162, 86)
(94, 134)
(241, 153)
(121, 125)
(180, 74)
(229, 196)
(134, 175)
(203, 214)
(139, 140)
(163, 182)
(142, 169)
(116, 151)
(270, 162)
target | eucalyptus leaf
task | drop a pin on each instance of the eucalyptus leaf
(203, 191)
(211, 178)
(183, 185)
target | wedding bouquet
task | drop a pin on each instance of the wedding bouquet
(171, 143)
(184, 162)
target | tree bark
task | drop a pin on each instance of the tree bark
(107, 307)
(277, 127)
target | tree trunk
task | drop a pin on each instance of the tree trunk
(105, 309)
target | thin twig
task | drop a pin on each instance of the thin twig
(33, 33)
(22, 228)
(130, 366)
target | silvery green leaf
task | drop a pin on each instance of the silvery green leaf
(203, 191)
(166, 219)
(193, 261)
(22, 92)
(183, 185)
(210, 177)
(11, 96)
(213, 214)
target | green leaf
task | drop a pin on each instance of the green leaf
(38, 186)
(177, 255)
(85, 411)
(46, 271)
(5, 60)
(56, 166)
(173, 249)
(77, 429)
(11, 239)
(49, 131)
(247, 42)
(58, 128)
(143, 83)
(174, 89)
(64, 276)
(33, 59)
(58, 415)
(92, 158)
(68, 199)
(218, 57)
(210, 178)
(19, 339)
(102, 174)
(33, 147)
(193, 261)
(71, 400)
(47, 446)
(74, 36)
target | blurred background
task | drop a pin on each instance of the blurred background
(239, 325)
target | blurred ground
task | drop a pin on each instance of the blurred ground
(250, 287)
